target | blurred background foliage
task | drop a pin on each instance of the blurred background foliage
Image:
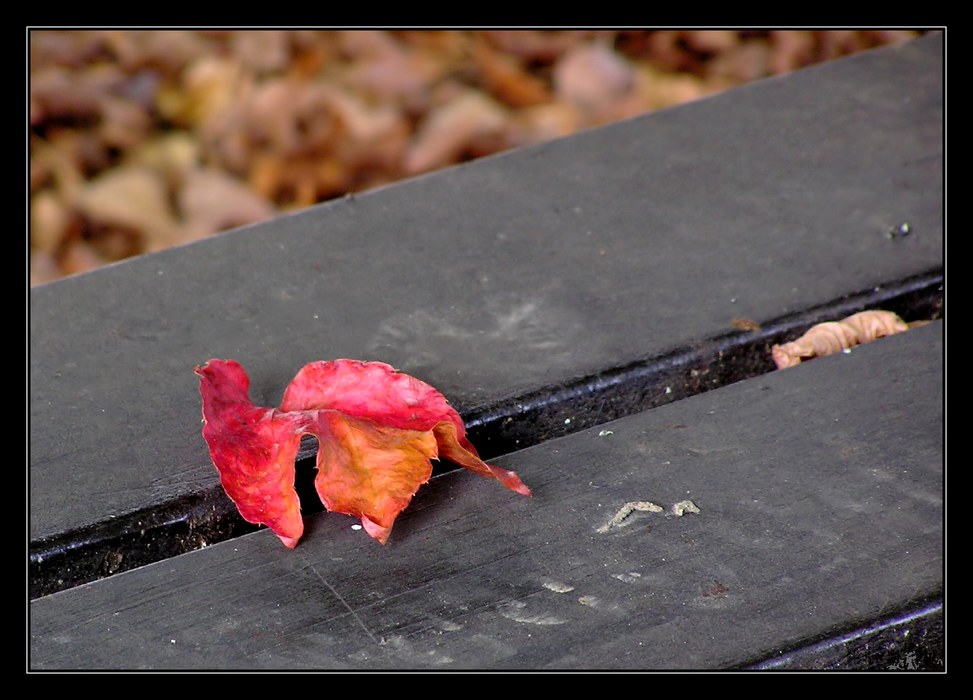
(145, 139)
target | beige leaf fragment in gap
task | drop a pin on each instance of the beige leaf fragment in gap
(836, 336)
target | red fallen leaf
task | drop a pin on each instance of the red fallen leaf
(377, 431)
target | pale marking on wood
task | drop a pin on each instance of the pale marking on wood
(626, 510)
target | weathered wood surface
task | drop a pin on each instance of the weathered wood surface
(492, 281)
(820, 491)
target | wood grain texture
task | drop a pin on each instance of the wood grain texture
(820, 490)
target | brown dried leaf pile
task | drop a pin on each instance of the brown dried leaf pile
(140, 140)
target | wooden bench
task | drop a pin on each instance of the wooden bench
(600, 310)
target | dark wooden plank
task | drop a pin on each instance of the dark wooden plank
(492, 280)
(820, 490)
